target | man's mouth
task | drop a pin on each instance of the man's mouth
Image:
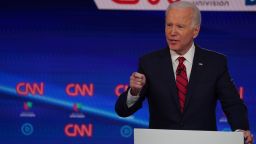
(173, 41)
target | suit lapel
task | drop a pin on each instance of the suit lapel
(196, 73)
(166, 67)
(167, 71)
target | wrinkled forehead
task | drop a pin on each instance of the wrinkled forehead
(180, 14)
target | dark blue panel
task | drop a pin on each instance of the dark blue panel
(60, 43)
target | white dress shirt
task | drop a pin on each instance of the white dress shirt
(189, 56)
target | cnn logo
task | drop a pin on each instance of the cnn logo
(76, 89)
(75, 130)
(132, 2)
(27, 88)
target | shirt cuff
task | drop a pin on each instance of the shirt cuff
(131, 100)
(239, 130)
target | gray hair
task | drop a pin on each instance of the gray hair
(185, 4)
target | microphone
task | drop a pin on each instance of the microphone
(178, 71)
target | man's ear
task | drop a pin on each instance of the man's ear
(196, 31)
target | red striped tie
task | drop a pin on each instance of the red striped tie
(181, 82)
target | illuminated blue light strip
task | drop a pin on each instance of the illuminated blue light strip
(62, 103)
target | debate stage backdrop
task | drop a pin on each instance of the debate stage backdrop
(64, 63)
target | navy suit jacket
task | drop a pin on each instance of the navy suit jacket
(209, 81)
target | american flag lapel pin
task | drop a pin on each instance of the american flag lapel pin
(200, 64)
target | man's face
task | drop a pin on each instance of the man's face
(179, 29)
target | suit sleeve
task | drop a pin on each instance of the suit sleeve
(232, 105)
(121, 107)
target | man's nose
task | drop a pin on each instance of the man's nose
(173, 31)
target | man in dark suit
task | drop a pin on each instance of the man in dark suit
(183, 82)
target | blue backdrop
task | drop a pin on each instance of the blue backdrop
(63, 64)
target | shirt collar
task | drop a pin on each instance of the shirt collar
(188, 56)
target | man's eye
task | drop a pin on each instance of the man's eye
(169, 25)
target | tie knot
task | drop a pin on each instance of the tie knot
(181, 60)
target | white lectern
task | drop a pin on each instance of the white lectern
(156, 136)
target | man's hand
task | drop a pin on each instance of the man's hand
(137, 81)
(248, 136)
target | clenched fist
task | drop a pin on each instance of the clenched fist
(137, 81)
